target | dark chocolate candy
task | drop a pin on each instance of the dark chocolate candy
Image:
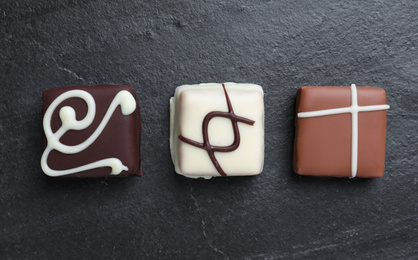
(340, 131)
(91, 131)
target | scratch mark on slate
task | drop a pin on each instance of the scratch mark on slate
(72, 73)
(204, 228)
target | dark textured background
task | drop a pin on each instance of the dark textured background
(156, 46)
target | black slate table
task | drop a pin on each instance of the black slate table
(158, 45)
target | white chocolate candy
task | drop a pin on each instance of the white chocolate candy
(217, 130)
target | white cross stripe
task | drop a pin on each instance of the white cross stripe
(354, 109)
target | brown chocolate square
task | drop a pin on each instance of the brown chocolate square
(327, 119)
(91, 131)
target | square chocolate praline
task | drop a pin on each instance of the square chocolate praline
(323, 144)
(217, 130)
(114, 151)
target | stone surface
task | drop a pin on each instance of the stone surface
(157, 46)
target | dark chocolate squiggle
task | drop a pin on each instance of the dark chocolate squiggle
(211, 149)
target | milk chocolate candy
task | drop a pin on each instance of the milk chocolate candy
(217, 130)
(340, 131)
(91, 131)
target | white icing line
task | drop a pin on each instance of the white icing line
(354, 109)
(325, 112)
(69, 122)
(354, 130)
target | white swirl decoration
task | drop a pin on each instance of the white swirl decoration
(69, 122)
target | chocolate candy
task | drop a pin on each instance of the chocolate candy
(91, 131)
(340, 131)
(217, 130)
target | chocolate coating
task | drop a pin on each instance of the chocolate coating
(205, 126)
(119, 139)
(323, 144)
(217, 129)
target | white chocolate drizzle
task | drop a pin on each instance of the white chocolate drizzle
(354, 109)
(69, 122)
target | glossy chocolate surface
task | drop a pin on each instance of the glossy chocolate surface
(217, 129)
(205, 129)
(120, 137)
(323, 144)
